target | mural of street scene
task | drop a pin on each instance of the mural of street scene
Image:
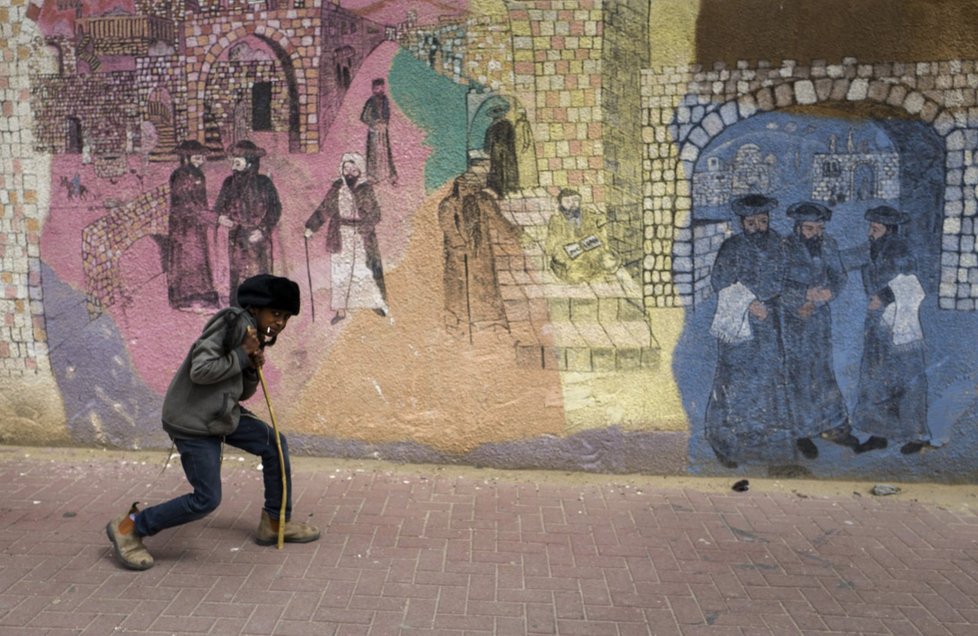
(411, 211)
(525, 236)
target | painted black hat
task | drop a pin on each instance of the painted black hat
(751, 204)
(809, 211)
(267, 290)
(886, 215)
(247, 149)
(191, 147)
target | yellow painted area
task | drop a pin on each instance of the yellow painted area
(32, 411)
(646, 399)
(494, 8)
(672, 28)
(409, 379)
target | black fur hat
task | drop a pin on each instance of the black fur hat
(266, 290)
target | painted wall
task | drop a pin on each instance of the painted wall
(651, 331)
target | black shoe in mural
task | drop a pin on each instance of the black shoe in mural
(842, 436)
(873, 443)
(807, 447)
(911, 448)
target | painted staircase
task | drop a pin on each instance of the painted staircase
(598, 326)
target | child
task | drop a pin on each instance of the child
(201, 411)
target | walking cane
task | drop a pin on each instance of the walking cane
(312, 301)
(468, 300)
(281, 461)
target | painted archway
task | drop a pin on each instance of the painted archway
(302, 104)
(700, 105)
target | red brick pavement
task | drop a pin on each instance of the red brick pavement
(437, 550)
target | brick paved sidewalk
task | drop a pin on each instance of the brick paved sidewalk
(436, 550)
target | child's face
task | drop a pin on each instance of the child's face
(271, 322)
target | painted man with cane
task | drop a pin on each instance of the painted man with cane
(351, 213)
(202, 411)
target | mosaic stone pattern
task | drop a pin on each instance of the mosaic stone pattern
(105, 241)
(23, 341)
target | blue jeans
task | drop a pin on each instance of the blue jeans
(201, 459)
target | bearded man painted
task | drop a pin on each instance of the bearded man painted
(747, 415)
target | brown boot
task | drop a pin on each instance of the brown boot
(295, 531)
(127, 545)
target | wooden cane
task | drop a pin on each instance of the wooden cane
(281, 462)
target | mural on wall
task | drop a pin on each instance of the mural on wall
(817, 263)
(522, 238)
(224, 182)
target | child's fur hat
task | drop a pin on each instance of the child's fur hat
(266, 290)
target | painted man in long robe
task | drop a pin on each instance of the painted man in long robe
(892, 401)
(376, 114)
(747, 414)
(814, 276)
(469, 218)
(249, 206)
(190, 283)
(351, 213)
(500, 146)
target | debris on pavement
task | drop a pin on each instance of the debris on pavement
(881, 490)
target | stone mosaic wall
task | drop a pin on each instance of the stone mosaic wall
(100, 102)
(23, 341)
(624, 53)
(557, 60)
(229, 79)
(687, 107)
(106, 240)
(164, 73)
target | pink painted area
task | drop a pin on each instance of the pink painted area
(395, 11)
(54, 21)
(158, 337)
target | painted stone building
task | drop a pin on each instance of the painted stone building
(852, 174)
(189, 68)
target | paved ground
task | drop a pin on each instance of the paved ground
(439, 550)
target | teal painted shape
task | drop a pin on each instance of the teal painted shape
(436, 105)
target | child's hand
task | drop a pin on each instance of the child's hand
(251, 343)
(258, 359)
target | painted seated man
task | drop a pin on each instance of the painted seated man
(577, 244)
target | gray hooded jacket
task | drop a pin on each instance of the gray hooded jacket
(204, 395)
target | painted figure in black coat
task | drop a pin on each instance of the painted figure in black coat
(248, 205)
(814, 276)
(892, 400)
(190, 283)
(747, 415)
